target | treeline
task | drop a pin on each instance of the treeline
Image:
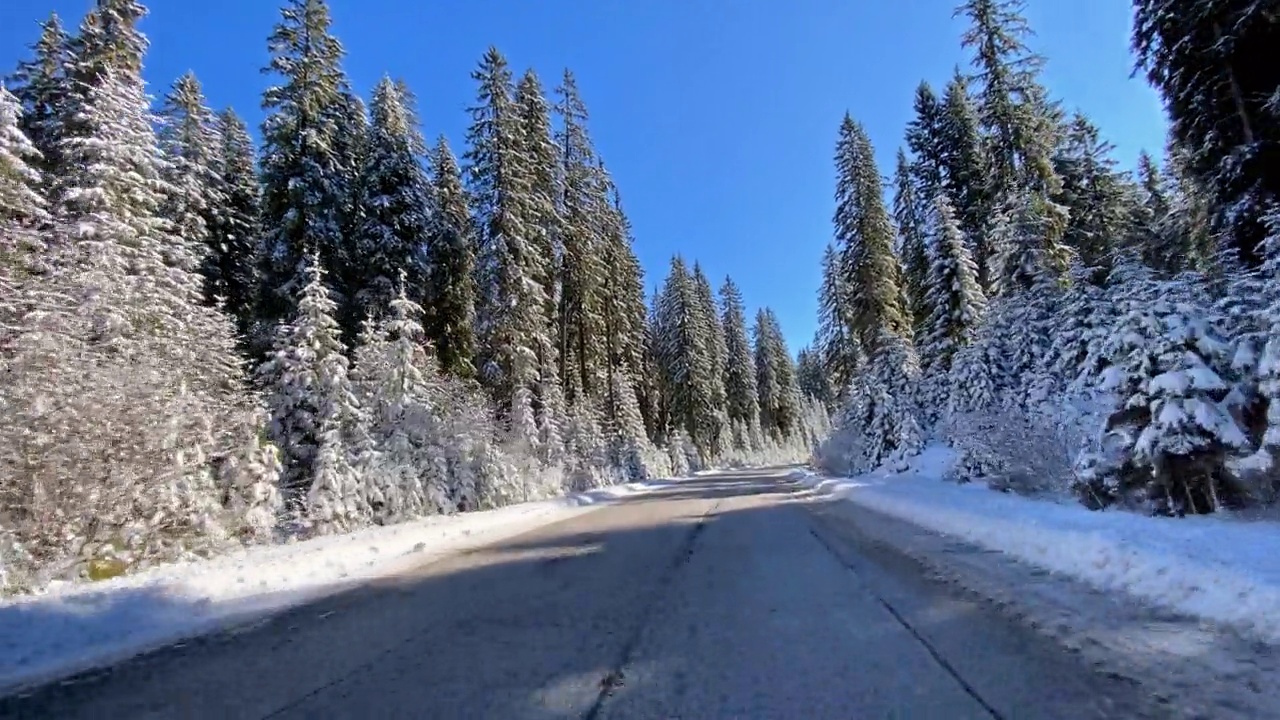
(1066, 324)
(204, 342)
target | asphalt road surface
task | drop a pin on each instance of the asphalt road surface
(721, 597)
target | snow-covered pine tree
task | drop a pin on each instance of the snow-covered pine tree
(1014, 110)
(22, 204)
(195, 196)
(966, 172)
(1221, 103)
(864, 240)
(544, 227)
(681, 348)
(1099, 200)
(583, 285)
(625, 312)
(511, 321)
(924, 138)
(909, 212)
(714, 417)
(42, 85)
(812, 379)
(742, 398)
(313, 406)
(394, 200)
(836, 343)
(450, 260)
(304, 179)
(955, 300)
(779, 393)
(230, 269)
(125, 337)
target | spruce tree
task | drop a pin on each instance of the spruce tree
(776, 381)
(685, 357)
(583, 264)
(1222, 102)
(966, 173)
(625, 314)
(742, 399)
(1098, 199)
(450, 260)
(511, 318)
(230, 267)
(908, 213)
(864, 237)
(22, 205)
(395, 197)
(836, 343)
(955, 299)
(312, 403)
(714, 418)
(304, 188)
(189, 138)
(925, 140)
(42, 86)
(812, 379)
(543, 226)
(1013, 108)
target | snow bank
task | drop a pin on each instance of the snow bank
(74, 627)
(1215, 568)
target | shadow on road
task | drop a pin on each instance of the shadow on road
(528, 628)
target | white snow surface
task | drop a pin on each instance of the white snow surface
(1217, 568)
(74, 627)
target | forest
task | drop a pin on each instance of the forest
(1068, 326)
(208, 341)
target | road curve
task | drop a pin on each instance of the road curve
(729, 596)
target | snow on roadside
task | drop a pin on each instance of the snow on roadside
(74, 627)
(1214, 568)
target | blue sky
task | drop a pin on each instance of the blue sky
(718, 118)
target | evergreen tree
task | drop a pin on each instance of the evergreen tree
(925, 140)
(304, 193)
(511, 319)
(864, 235)
(22, 206)
(908, 212)
(812, 379)
(42, 85)
(714, 418)
(230, 268)
(395, 196)
(1222, 102)
(543, 224)
(742, 398)
(1098, 199)
(966, 169)
(625, 313)
(583, 265)
(1014, 110)
(312, 404)
(683, 354)
(837, 344)
(955, 298)
(188, 137)
(775, 378)
(450, 259)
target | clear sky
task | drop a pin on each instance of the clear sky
(717, 118)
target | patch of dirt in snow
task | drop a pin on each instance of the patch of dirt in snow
(1195, 668)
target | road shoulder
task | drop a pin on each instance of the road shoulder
(1188, 666)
